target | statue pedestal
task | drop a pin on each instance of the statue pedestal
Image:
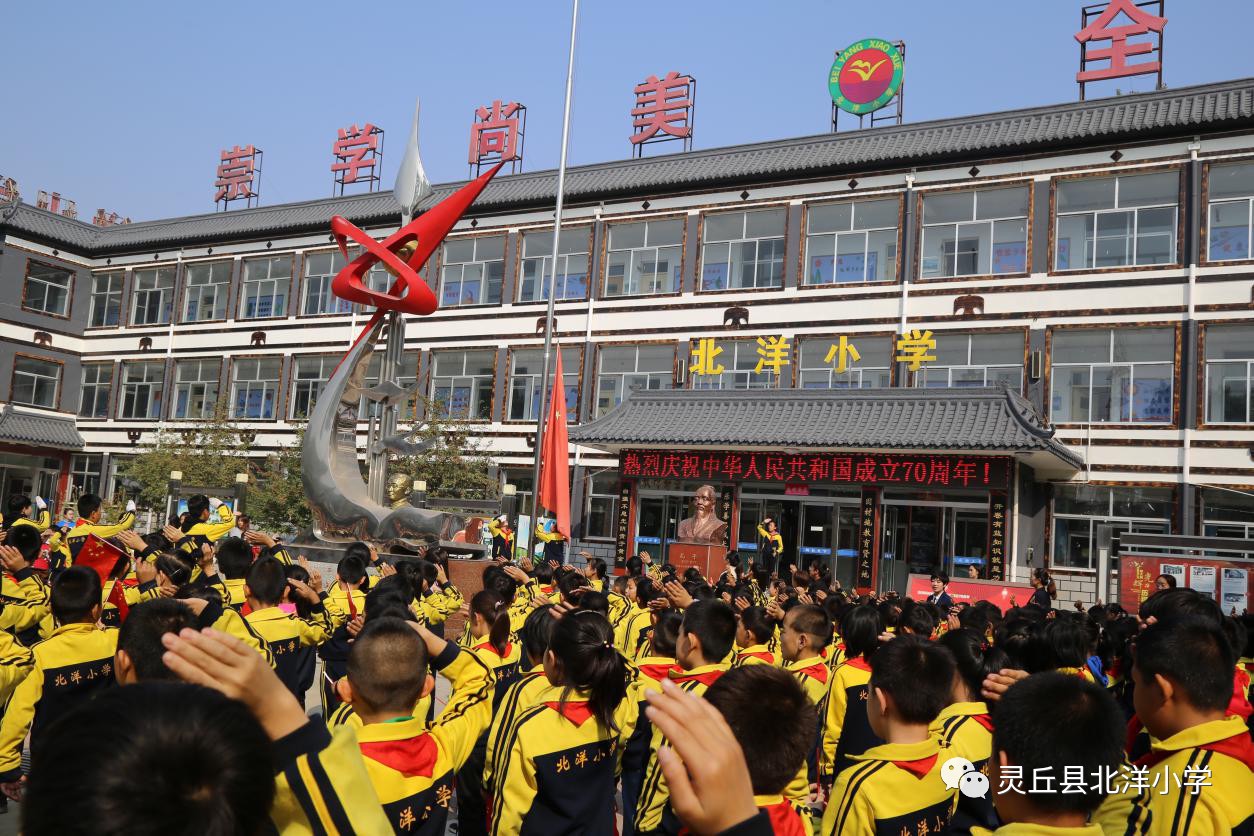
(706, 558)
(467, 576)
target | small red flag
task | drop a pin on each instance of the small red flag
(107, 560)
(554, 456)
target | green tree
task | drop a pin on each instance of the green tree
(276, 502)
(453, 461)
(207, 454)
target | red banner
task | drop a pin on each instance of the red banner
(1004, 594)
(1230, 582)
(918, 470)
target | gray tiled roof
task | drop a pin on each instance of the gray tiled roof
(32, 428)
(993, 419)
(1180, 112)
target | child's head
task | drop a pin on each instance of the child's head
(911, 681)
(974, 658)
(351, 570)
(806, 631)
(1063, 642)
(706, 634)
(197, 508)
(1053, 722)
(234, 557)
(1182, 673)
(536, 632)
(173, 568)
(754, 626)
(572, 585)
(89, 507)
(495, 580)
(918, 620)
(387, 670)
(732, 559)
(940, 580)
(390, 598)
(266, 582)
(665, 633)
(582, 659)
(775, 751)
(17, 506)
(75, 596)
(489, 618)
(26, 539)
(140, 654)
(150, 758)
(861, 630)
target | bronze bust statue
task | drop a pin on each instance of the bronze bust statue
(703, 526)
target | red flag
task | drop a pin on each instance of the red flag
(554, 462)
(107, 560)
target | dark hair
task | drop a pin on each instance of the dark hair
(197, 505)
(646, 591)
(775, 751)
(1052, 721)
(1194, 654)
(1171, 580)
(387, 665)
(88, 504)
(26, 539)
(917, 674)
(940, 576)
(350, 569)
(390, 598)
(758, 623)
(175, 566)
(813, 621)
(635, 567)
(495, 580)
(75, 594)
(493, 609)
(733, 559)
(583, 645)
(919, 621)
(593, 601)
(714, 625)
(543, 573)
(1014, 634)
(974, 657)
(861, 630)
(159, 757)
(296, 572)
(15, 508)
(890, 613)
(1168, 604)
(234, 557)
(665, 632)
(599, 567)
(1062, 643)
(535, 633)
(1047, 583)
(141, 632)
(359, 550)
(570, 585)
(267, 579)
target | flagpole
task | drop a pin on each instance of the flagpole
(552, 282)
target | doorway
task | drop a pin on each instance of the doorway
(922, 537)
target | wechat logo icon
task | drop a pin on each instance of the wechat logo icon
(960, 774)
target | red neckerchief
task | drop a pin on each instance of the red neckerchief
(413, 756)
(706, 678)
(764, 655)
(1238, 747)
(984, 720)
(488, 646)
(859, 663)
(577, 712)
(817, 671)
(918, 768)
(659, 671)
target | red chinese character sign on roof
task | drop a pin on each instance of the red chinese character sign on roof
(496, 136)
(663, 111)
(358, 157)
(239, 176)
(1117, 22)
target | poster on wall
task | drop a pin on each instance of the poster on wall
(1174, 570)
(1234, 591)
(1202, 579)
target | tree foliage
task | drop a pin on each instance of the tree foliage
(454, 463)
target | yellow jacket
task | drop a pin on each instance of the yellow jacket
(321, 785)
(41, 523)
(632, 636)
(846, 729)
(24, 602)
(758, 654)
(965, 729)
(77, 536)
(888, 788)
(69, 667)
(1026, 829)
(524, 693)
(210, 531)
(291, 640)
(15, 662)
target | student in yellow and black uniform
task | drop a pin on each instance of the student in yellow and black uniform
(491, 642)
(805, 632)
(411, 764)
(621, 594)
(72, 665)
(17, 512)
(770, 545)
(234, 558)
(755, 631)
(705, 638)
(345, 601)
(526, 690)
(654, 668)
(26, 608)
(1182, 684)
(597, 572)
(502, 538)
(1052, 724)
(632, 634)
(964, 728)
(89, 516)
(286, 634)
(846, 729)
(897, 785)
(559, 761)
(199, 527)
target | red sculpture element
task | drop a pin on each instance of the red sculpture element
(1100, 29)
(409, 294)
(351, 148)
(495, 132)
(235, 174)
(662, 105)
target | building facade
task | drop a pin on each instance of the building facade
(1093, 258)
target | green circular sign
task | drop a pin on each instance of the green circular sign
(865, 76)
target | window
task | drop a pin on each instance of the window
(106, 300)
(1080, 509)
(623, 369)
(255, 388)
(1229, 374)
(1231, 192)
(85, 470)
(320, 271)
(851, 242)
(97, 389)
(1121, 375)
(461, 383)
(378, 279)
(208, 284)
(47, 289)
(472, 271)
(266, 283)
(975, 360)
(738, 358)
(1228, 514)
(976, 233)
(743, 249)
(196, 388)
(308, 380)
(602, 505)
(406, 378)
(571, 281)
(873, 368)
(644, 258)
(141, 390)
(526, 379)
(1117, 221)
(36, 381)
(152, 296)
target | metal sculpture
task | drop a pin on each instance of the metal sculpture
(344, 505)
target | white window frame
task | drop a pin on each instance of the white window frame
(269, 283)
(1135, 525)
(744, 238)
(852, 231)
(93, 387)
(326, 301)
(46, 285)
(199, 285)
(611, 515)
(111, 297)
(1211, 367)
(734, 352)
(1132, 241)
(147, 283)
(266, 387)
(201, 388)
(475, 383)
(857, 375)
(921, 378)
(657, 380)
(306, 389)
(975, 220)
(37, 372)
(483, 246)
(84, 468)
(645, 284)
(151, 384)
(540, 265)
(528, 384)
(1057, 369)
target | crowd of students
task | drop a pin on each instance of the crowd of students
(582, 701)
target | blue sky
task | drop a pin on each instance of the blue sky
(126, 106)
